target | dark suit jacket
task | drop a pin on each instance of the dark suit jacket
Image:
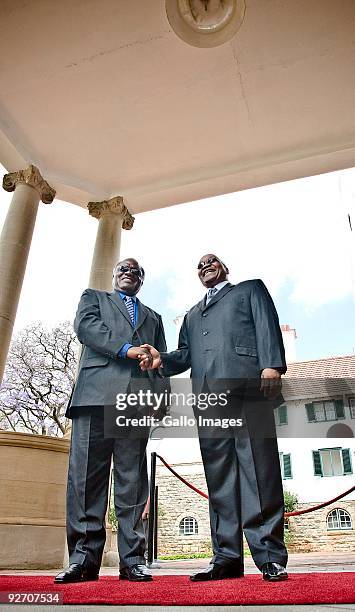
(103, 326)
(234, 337)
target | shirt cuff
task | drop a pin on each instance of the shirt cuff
(123, 350)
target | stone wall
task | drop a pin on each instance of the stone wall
(308, 532)
(177, 501)
(33, 476)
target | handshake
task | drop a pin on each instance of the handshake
(148, 356)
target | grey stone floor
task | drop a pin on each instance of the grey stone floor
(305, 562)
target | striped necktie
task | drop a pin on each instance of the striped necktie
(210, 293)
(130, 307)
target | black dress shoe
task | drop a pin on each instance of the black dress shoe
(274, 572)
(218, 572)
(77, 573)
(135, 573)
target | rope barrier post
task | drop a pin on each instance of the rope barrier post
(153, 465)
(155, 539)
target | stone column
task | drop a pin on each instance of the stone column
(112, 215)
(29, 188)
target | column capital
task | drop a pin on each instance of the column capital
(30, 176)
(113, 205)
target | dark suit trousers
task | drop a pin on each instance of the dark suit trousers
(245, 489)
(88, 486)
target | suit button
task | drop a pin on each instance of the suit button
(204, 314)
(205, 333)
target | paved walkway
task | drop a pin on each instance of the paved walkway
(305, 562)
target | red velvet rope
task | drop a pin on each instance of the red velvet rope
(287, 514)
(188, 484)
(319, 506)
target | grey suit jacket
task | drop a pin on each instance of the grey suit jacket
(234, 337)
(103, 326)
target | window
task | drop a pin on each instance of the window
(285, 464)
(352, 407)
(332, 462)
(188, 526)
(338, 519)
(330, 410)
(281, 415)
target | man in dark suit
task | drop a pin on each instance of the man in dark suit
(108, 325)
(232, 341)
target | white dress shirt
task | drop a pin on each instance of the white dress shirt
(218, 287)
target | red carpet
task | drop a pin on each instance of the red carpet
(312, 588)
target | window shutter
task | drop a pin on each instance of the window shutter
(317, 463)
(310, 413)
(287, 466)
(282, 415)
(346, 461)
(339, 409)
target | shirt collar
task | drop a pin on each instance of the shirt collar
(220, 285)
(123, 295)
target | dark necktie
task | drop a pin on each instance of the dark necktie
(130, 307)
(210, 293)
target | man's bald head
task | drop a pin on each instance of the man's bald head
(212, 270)
(128, 276)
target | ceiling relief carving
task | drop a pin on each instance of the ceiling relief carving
(205, 23)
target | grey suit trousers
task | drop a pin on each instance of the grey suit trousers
(244, 484)
(88, 486)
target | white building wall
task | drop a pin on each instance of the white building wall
(304, 483)
(291, 439)
(298, 425)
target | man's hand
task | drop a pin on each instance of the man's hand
(270, 383)
(152, 361)
(137, 352)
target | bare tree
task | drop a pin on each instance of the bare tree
(38, 380)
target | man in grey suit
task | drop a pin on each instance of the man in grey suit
(108, 325)
(232, 341)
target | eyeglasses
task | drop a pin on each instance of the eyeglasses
(135, 271)
(208, 261)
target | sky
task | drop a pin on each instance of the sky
(294, 235)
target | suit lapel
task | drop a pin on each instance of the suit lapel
(201, 305)
(115, 298)
(142, 313)
(216, 297)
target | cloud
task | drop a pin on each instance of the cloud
(295, 232)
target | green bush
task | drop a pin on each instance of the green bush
(112, 518)
(186, 555)
(290, 500)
